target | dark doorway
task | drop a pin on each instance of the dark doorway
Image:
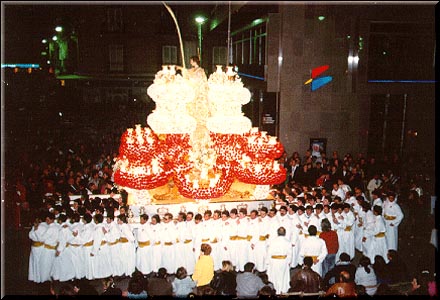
(387, 124)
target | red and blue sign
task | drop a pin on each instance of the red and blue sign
(316, 81)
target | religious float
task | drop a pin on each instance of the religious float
(199, 151)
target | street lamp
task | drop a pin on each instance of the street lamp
(200, 20)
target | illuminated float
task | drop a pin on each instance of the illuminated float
(198, 146)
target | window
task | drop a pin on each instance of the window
(116, 57)
(401, 51)
(219, 56)
(114, 19)
(169, 55)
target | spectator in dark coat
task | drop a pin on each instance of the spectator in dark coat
(159, 285)
(344, 264)
(396, 268)
(306, 280)
(225, 282)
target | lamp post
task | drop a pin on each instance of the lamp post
(200, 20)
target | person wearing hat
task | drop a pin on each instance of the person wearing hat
(393, 215)
(314, 247)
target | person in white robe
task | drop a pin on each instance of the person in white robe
(156, 251)
(112, 236)
(374, 184)
(184, 248)
(273, 223)
(228, 239)
(284, 221)
(314, 247)
(87, 238)
(197, 235)
(100, 254)
(127, 246)
(214, 230)
(279, 255)
(144, 240)
(295, 239)
(376, 199)
(314, 219)
(345, 231)
(358, 227)
(366, 276)
(49, 237)
(168, 239)
(36, 250)
(260, 241)
(253, 235)
(337, 191)
(377, 236)
(393, 215)
(74, 247)
(62, 268)
(368, 223)
(242, 240)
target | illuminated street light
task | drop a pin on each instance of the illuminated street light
(58, 29)
(44, 41)
(54, 38)
(200, 20)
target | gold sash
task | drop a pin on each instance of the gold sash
(233, 238)
(262, 238)
(168, 243)
(144, 244)
(380, 234)
(88, 244)
(103, 243)
(249, 237)
(50, 247)
(348, 228)
(214, 241)
(278, 256)
(205, 240)
(123, 240)
(157, 243)
(37, 244)
(241, 238)
(73, 245)
(389, 218)
(187, 241)
(113, 243)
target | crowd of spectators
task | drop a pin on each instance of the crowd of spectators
(45, 168)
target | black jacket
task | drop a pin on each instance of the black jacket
(224, 283)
